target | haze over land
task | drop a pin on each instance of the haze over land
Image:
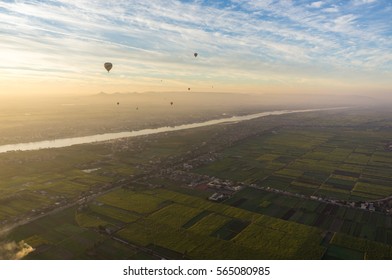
(38, 118)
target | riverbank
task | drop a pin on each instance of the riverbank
(66, 142)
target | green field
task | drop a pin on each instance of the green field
(165, 228)
(219, 232)
(317, 161)
(314, 213)
(290, 167)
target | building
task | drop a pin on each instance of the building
(217, 197)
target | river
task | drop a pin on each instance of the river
(66, 142)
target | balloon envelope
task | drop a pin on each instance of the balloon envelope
(108, 66)
(195, 54)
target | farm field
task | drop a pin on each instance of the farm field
(40, 181)
(286, 210)
(372, 226)
(184, 226)
(225, 232)
(339, 163)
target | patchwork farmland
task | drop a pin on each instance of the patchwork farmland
(342, 164)
(318, 190)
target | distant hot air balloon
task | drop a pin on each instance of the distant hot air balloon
(118, 103)
(171, 103)
(108, 66)
(195, 54)
(189, 88)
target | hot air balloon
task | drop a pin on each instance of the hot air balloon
(108, 66)
(195, 54)
(189, 88)
(118, 103)
(171, 103)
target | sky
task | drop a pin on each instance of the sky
(254, 46)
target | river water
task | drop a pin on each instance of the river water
(66, 142)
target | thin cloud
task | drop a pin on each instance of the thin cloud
(331, 10)
(363, 2)
(316, 4)
(242, 37)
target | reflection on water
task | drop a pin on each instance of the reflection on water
(66, 142)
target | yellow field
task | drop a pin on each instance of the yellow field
(209, 224)
(131, 201)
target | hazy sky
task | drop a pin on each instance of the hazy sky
(265, 46)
